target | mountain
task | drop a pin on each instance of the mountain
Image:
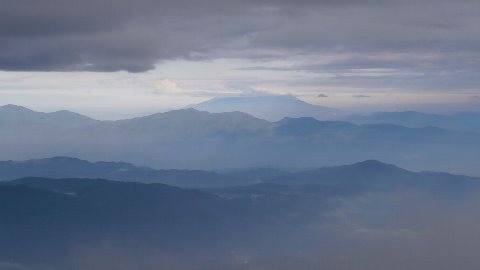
(352, 175)
(343, 210)
(375, 174)
(272, 108)
(187, 123)
(48, 220)
(66, 167)
(196, 140)
(13, 115)
(371, 175)
(467, 122)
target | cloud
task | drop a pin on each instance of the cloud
(361, 96)
(112, 35)
(167, 86)
(322, 95)
(172, 87)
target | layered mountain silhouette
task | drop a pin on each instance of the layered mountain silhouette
(66, 167)
(375, 174)
(191, 139)
(82, 219)
(270, 107)
(369, 173)
(468, 121)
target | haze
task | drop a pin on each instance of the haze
(239, 134)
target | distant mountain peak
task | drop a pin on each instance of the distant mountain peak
(17, 115)
(69, 113)
(14, 108)
(371, 162)
(269, 107)
(196, 112)
(373, 165)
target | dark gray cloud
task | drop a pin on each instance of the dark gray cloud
(361, 96)
(322, 95)
(110, 35)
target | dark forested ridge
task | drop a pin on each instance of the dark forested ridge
(289, 212)
(67, 167)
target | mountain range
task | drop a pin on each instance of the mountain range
(67, 167)
(105, 224)
(467, 121)
(15, 116)
(195, 140)
(370, 173)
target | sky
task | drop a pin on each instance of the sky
(112, 59)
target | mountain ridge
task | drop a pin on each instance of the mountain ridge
(190, 139)
(18, 115)
(269, 107)
(67, 167)
(462, 121)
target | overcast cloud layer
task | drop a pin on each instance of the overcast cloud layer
(303, 47)
(110, 35)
